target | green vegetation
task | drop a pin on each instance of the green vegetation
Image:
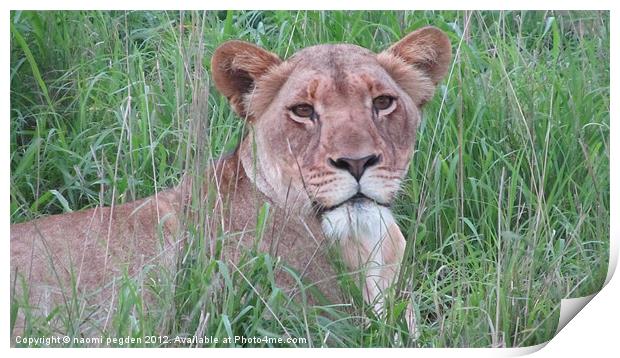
(506, 209)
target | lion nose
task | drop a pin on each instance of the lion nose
(356, 166)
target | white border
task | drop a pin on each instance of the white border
(593, 331)
(310, 5)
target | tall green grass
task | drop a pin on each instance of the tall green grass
(506, 208)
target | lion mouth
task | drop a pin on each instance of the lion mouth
(356, 199)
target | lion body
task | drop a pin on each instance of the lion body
(88, 251)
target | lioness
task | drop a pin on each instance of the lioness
(331, 133)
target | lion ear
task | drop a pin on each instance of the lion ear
(236, 66)
(427, 49)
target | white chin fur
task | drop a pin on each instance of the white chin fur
(359, 219)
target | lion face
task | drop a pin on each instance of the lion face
(333, 124)
(340, 126)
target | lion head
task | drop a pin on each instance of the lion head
(332, 124)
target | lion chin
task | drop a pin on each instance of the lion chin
(357, 218)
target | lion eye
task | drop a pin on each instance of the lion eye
(382, 103)
(303, 110)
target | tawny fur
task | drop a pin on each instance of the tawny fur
(283, 160)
